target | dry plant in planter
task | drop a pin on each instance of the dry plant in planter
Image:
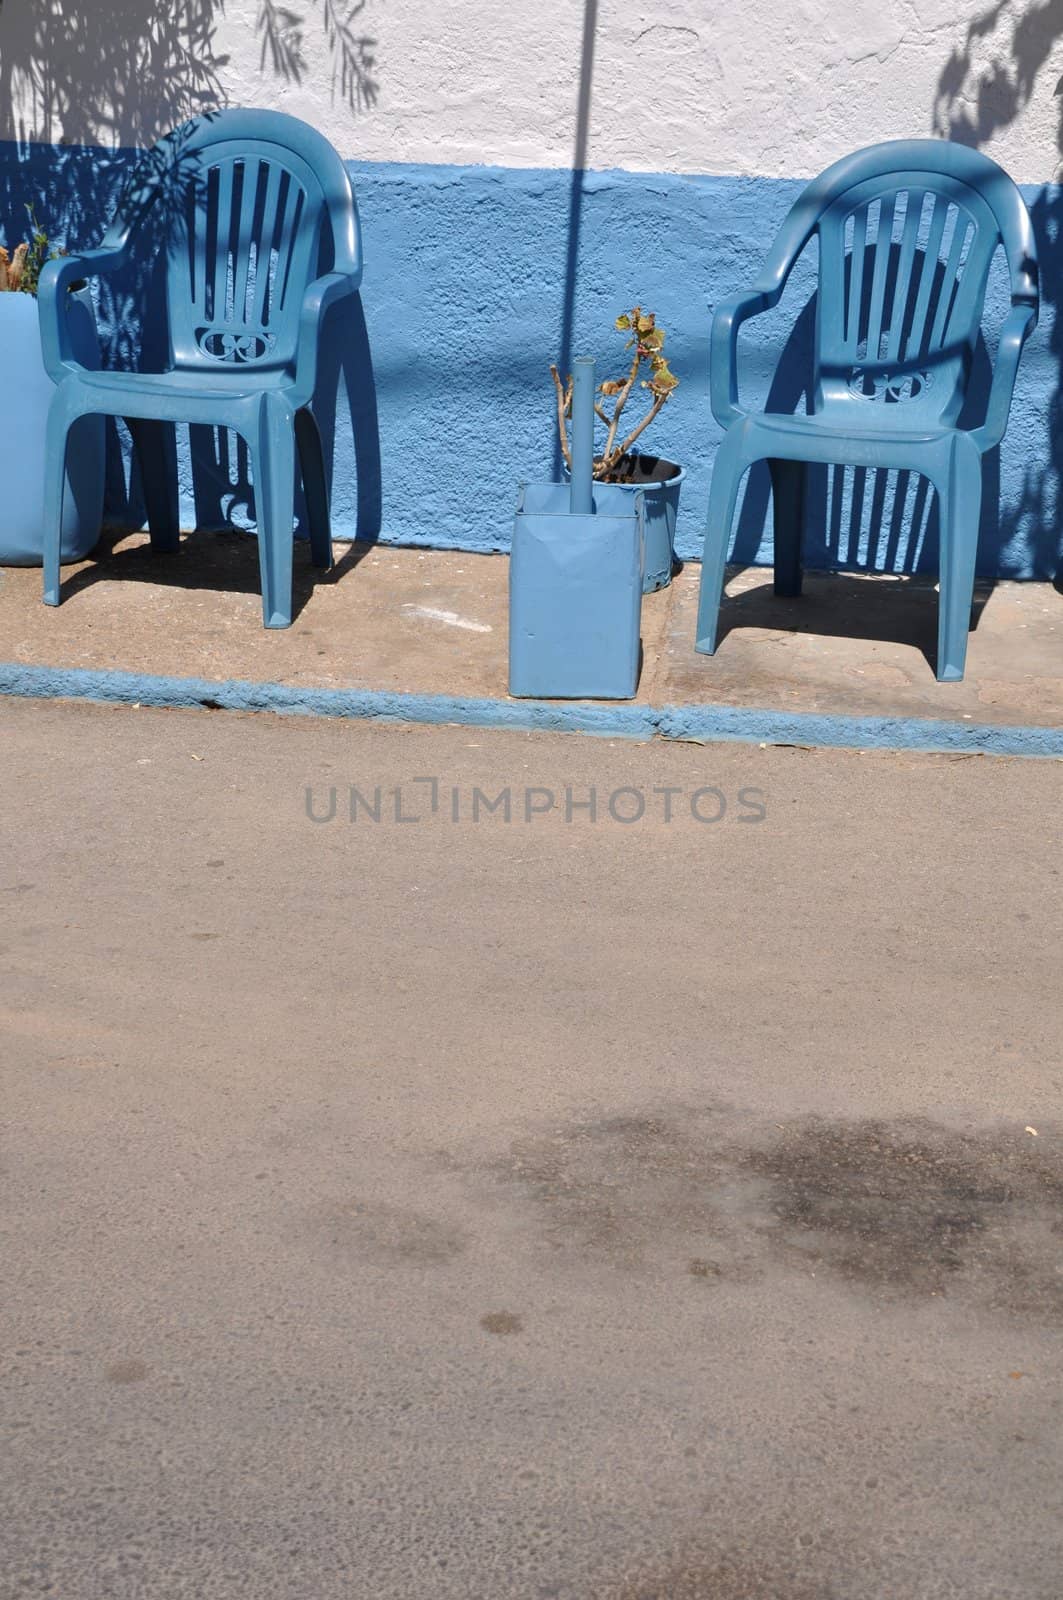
(24, 460)
(21, 270)
(619, 462)
(660, 383)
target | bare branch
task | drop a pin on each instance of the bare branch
(612, 396)
(659, 401)
(621, 402)
(564, 400)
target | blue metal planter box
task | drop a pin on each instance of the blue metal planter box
(575, 594)
(29, 390)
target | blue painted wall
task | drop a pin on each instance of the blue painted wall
(477, 277)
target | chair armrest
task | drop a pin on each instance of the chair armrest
(320, 294)
(797, 229)
(56, 278)
(723, 356)
(347, 239)
(1019, 324)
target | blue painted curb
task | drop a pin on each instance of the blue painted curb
(723, 724)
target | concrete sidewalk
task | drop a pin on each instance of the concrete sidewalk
(435, 623)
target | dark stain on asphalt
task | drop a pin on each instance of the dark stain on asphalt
(501, 1322)
(626, 1188)
(916, 1208)
(390, 1235)
(700, 1268)
(129, 1371)
(905, 1208)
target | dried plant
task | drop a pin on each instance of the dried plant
(647, 343)
(21, 271)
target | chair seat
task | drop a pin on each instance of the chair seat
(238, 383)
(823, 434)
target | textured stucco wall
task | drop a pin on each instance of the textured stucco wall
(774, 88)
(486, 258)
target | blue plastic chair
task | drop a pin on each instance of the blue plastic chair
(906, 235)
(246, 207)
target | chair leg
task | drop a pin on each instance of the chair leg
(788, 506)
(59, 424)
(274, 478)
(723, 496)
(156, 452)
(312, 466)
(959, 508)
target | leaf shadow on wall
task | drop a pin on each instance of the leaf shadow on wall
(146, 65)
(125, 78)
(983, 88)
(75, 100)
(283, 33)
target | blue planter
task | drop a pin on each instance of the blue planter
(575, 594)
(28, 391)
(658, 481)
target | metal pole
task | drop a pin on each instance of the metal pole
(581, 503)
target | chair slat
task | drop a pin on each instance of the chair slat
(883, 249)
(272, 215)
(833, 269)
(194, 249)
(245, 239)
(856, 280)
(222, 241)
(917, 342)
(287, 253)
(951, 282)
(903, 282)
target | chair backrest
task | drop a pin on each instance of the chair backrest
(907, 233)
(243, 201)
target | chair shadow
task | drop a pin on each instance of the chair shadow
(345, 407)
(225, 562)
(901, 609)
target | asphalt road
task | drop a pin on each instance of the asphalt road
(560, 1207)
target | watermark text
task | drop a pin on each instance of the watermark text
(421, 800)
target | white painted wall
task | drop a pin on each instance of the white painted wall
(765, 87)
